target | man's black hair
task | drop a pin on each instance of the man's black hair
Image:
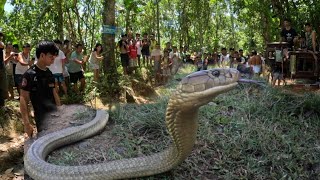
(16, 46)
(223, 49)
(26, 45)
(78, 45)
(1, 34)
(66, 41)
(240, 50)
(231, 49)
(254, 52)
(57, 41)
(307, 24)
(287, 19)
(46, 47)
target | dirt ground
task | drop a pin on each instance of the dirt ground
(67, 116)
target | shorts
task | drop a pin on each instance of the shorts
(257, 69)
(278, 75)
(132, 63)
(10, 80)
(157, 67)
(58, 77)
(18, 79)
(75, 77)
(145, 52)
(124, 60)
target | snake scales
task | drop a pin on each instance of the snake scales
(193, 91)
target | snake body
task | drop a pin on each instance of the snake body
(194, 90)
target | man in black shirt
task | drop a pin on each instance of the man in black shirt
(38, 86)
(288, 34)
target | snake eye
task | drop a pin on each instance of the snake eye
(216, 73)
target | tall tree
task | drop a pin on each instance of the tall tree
(108, 40)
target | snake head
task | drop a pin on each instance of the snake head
(200, 87)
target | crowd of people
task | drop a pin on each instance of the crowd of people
(137, 52)
(57, 68)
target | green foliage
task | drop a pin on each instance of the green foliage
(2, 3)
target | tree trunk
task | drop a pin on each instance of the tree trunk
(108, 40)
(58, 5)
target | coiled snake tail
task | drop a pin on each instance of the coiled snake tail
(194, 91)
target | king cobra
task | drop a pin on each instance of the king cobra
(193, 91)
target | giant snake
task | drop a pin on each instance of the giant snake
(193, 91)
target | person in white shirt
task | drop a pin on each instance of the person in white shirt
(139, 47)
(24, 61)
(224, 58)
(156, 56)
(175, 59)
(57, 68)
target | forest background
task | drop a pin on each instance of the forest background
(196, 24)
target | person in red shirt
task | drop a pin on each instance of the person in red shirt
(133, 54)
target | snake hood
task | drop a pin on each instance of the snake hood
(200, 87)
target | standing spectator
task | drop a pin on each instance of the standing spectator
(145, 49)
(288, 34)
(57, 69)
(75, 68)
(153, 42)
(14, 63)
(38, 86)
(311, 37)
(224, 58)
(133, 53)
(175, 59)
(67, 50)
(10, 57)
(156, 56)
(165, 67)
(124, 49)
(168, 47)
(255, 62)
(205, 61)
(95, 59)
(139, 46)
(24, 60)
(3, 80)
(242, 57)
(241, 66)
(198, 62)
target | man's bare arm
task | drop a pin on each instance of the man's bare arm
(24, 100)
(20, 60)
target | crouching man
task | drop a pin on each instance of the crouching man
(38, 86)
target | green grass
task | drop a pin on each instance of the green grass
(248, 133)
